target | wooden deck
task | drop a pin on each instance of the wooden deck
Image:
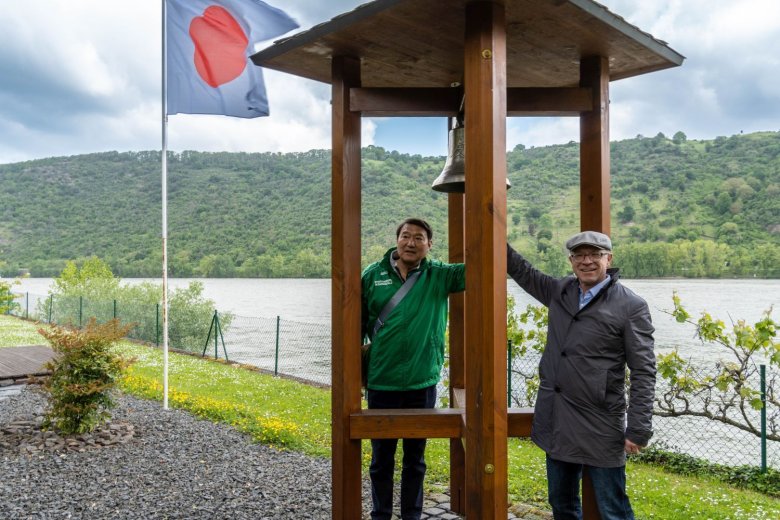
(21, 362)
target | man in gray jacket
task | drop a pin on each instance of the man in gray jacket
(597, 328)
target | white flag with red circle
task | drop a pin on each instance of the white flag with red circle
(208, 44)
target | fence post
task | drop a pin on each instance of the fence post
(215, 320)
(763, 418)
(81, 308)
(157, 325)
(219, 329)
(114, 309)
(51, 301)
(27, 305)
(212, 326)
(276, 357)
(509, 373)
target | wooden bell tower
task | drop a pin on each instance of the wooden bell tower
(422, 58)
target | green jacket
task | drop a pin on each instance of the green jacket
(408, 351)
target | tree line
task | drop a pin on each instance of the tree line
(679, 207)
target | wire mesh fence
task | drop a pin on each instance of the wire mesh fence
(730, 432)
(701, 437)
(287, 347)
(303, 350)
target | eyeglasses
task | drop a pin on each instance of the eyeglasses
(595, 256)
(420, 239)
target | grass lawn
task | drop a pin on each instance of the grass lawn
(291, 415)
(15, 332)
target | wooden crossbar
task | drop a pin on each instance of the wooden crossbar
(446, 102)
(426, 423)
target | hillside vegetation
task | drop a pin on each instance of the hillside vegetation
(679, 208)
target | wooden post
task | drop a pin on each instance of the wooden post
(594, 147)
(590, 511)
(345, 261)
(594, 186)
(485, 157)
(457, 316)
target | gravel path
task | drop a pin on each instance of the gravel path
(175, 467)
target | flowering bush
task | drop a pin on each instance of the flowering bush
(83, 373)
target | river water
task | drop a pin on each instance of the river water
(309, 300)
(304, 306)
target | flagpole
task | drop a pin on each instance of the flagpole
(165, 205)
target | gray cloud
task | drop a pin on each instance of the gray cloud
(79, 76)
(727, 83)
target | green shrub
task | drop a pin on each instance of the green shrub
(7, 303)
(92, 291)
(83, 373)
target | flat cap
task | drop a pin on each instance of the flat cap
(589, 238)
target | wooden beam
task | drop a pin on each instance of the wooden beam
(594, 147)
(458, 397)
(445, 102)
(554, 102)
(345, 290)
(485, 157)
(413, 102)
(594, 184)
(457, 243)
(427, 423)
(519, 422)
(408, 423)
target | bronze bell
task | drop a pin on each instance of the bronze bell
(452, 178)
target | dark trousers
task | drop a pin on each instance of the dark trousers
(383, 457)
(609, 486)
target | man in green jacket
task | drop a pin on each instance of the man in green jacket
(406, 355)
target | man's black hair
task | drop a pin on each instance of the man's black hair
(416, 222)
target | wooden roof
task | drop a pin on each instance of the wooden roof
(419, 43)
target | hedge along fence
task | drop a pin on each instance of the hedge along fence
(303, 350)
(186, 330)
(280, 346)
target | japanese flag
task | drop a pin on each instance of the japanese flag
(208, 44)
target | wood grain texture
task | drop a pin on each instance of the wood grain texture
(419, 43)
(345, 290)
(445, 102)
(457, 253)
(594, 148)
(20, 362)
(485, 158)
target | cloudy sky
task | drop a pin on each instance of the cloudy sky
(81, 76)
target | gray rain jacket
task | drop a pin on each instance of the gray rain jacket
(580, 414)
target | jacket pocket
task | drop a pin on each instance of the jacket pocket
(583, 381)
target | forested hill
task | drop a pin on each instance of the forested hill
(679, 208)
